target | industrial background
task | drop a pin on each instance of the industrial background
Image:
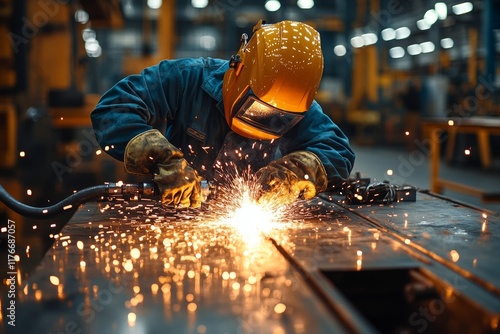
(395, 71)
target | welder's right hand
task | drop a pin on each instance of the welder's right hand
(150, 153)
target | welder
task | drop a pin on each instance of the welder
(188, 119)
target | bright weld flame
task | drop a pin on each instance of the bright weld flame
(252, 220)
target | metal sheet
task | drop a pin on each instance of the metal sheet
(139, 269)
(462, 238)
(133, 267)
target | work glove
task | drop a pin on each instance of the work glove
(297, 175)
(150, 153)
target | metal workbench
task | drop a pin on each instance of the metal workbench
(429, 266)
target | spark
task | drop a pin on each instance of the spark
(54, 280)
(131, 317)
(280, 308)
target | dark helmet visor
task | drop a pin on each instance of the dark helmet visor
(263, 116)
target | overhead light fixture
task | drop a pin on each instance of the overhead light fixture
(388, 34)
(462, 8)
(414, 49)
(423, 25)
(442, 10)
(272, 5)
(154, 4)
(81, 16)
(207, 42)
(369, 38)
(305, 4)
(357, 41)
(403, 32)
(199, 3)
(427, 47)
(430, 17)
(88, 34)
(447, 43)
(339, 50)
(92, 47)
(397, 52)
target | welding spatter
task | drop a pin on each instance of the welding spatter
(106, 191)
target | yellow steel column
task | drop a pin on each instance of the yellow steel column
(365, 70)
(472, 64)
(372, 60)
(166, 30)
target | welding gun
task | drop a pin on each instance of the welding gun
(149, 190)
(107, 191)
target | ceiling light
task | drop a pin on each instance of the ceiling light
(81, 16)
(441, 10)
(93, 48)
(462, 8)
(369, 38)
(427, 47)
(95, 54)
(305, 4)
(340, 50)
(430, 16)
(388, 34)
(207, 42)
(272, 5)
(447, 43)
(88, 34)
(357, 41)
(414, 49)
(199, 3)
(154, 4)
(402, 33)
(396, 52)
(423, 25)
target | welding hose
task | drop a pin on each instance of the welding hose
(74, 200)
(70, 202)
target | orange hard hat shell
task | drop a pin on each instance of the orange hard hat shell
(283, 64)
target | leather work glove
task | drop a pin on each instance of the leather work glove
(150, 153)
(297, 175)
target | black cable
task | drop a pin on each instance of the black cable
(69, 203)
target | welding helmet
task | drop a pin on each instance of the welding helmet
(272, 80)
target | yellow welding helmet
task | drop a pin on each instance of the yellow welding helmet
(272, 80)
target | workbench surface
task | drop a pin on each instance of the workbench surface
(133, 267)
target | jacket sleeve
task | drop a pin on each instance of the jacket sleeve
(136, 104)
(317, 133)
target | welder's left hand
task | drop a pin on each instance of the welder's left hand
(297, 175)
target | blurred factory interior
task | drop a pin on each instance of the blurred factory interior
(389, 65)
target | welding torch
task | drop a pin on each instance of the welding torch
(108, 190)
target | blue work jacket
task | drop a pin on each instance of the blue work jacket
(182, 98)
